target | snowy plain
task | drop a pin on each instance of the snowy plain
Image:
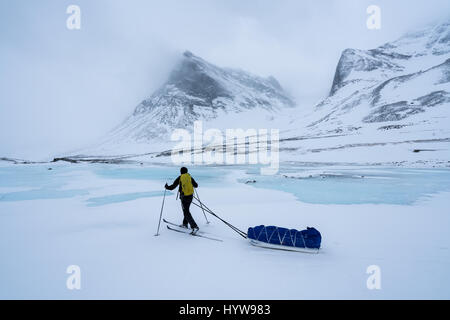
(103, 218)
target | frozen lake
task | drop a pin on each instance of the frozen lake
(329, 185)
(103, 218)
(360, 185)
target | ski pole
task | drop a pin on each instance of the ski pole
(201, 206)
(160, 215)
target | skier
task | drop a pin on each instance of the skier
(186, 189)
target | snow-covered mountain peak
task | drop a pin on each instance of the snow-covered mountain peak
(413, 52)
(431, 40)
(199, 90)
(398, 84)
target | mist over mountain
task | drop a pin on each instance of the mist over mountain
(198, 90)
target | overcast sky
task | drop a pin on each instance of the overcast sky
(62, 89)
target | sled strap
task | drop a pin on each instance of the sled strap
(204, 207)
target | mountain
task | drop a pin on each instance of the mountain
(390, 104)
(199, 90)
(391, 83)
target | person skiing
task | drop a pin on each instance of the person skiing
(186, 189)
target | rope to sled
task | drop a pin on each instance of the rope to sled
(204, 207)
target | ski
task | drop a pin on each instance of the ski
(171, 223)
(178, 226)
(186, 231)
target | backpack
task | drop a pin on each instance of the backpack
(186, 184)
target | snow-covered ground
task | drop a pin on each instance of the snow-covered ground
(103, 218)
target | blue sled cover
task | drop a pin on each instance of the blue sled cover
(309, 238)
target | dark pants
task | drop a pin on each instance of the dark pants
(185, 204)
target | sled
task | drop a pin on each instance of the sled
(262, 244)
(271, 237)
